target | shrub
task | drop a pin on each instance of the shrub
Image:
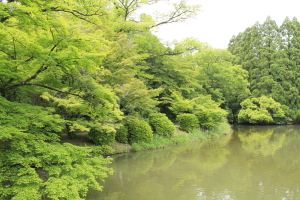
(104, 135)
(209, 118)
(262, 110)
(122, 134)
(187, 122)
(161, 124)
(138, 130)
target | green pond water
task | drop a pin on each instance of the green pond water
(255, 162)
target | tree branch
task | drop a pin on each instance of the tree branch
(7, 54)
(15, 51)
(80, 16)
(50, 88)
(40, 70)
(182, 12)
(77, 12)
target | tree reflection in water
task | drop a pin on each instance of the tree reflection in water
(256, 162)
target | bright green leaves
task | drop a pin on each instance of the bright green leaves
(18, 118)
(139, 130)
(135, 97)
(227, 83)
(81, 65)
(98, 105)
(181, 105)
(188, 46)
(204, 70)
(31, 167)
(59, 59)
(54, 53)
(161, 124)
(261, 110)
(208, 112)
(187, 122)
(103, 135)
(74, 172)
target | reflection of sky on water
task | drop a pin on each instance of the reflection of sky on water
(224, 195)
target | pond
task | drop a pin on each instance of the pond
(255, 162)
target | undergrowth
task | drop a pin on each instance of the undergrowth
(159, 141)
(181, 137)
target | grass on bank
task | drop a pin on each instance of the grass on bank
(179, 137)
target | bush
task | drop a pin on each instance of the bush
(104, 135)
(208, 119)
(122, 134)
(161, 124)
(209, 114)
(262, 110)
(187, 122)
(138, 130)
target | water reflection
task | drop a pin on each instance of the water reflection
(253, 163)
(258, 140)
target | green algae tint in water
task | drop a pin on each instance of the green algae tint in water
(255, 162)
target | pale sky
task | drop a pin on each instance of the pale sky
(221, 19)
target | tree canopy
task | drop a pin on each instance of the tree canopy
(96, 67)
(65, 67)
(270, 53)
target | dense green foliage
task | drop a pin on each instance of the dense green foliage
(261, 110)
(161, 124)
(226, 83)
(122, 134)
(95, 66)
(103, 135)
(188, 122)
(208, 112)
(180, 137)
(270, 53)
(33, 165)
(67, 67)
(139, 130)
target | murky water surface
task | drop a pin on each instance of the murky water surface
(261, 162)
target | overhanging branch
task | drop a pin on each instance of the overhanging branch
(40, 70)
(50, 88)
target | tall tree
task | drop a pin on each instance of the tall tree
(263, 84)
(288, 65)
(275, 56)
(227, 83)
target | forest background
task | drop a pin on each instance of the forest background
(94, 66)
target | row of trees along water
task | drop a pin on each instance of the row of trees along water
(271, 55)
(95, 66)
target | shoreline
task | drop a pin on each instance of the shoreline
(180, 137)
